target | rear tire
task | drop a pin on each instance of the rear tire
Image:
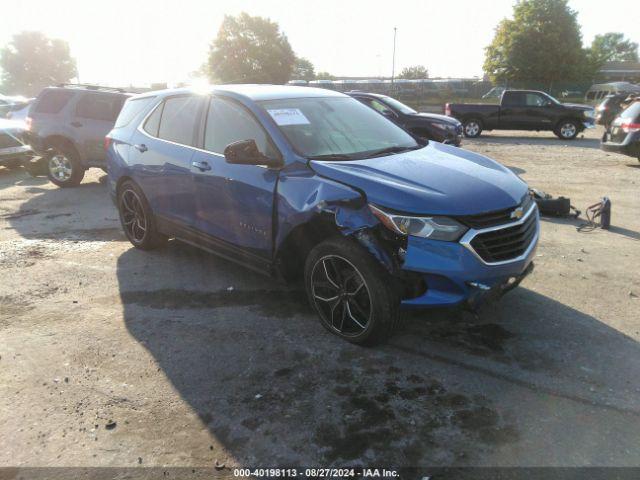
(64, 168)
(567, 130)
(472, 128)
(353, 295)
(137, 219)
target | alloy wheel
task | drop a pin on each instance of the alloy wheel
(472, 129)
(60, 167)
(134, 219)
(341, 295)
(567, 130)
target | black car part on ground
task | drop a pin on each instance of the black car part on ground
(553, 207)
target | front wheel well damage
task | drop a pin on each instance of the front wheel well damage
(386, 247)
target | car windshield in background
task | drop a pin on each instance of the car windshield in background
(337, 128)
(399, 106)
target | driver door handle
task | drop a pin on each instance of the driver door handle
(202, 166)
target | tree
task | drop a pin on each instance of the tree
(303, 70)
(416, 72)
(250, 50)
(31, 61)
(324, 76)
(541, 43)
(612, 47)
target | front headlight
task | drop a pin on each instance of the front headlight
(434, 228)
(590, 113)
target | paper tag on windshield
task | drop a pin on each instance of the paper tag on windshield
(288, 116)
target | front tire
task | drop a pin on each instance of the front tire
(472, 128)
(353, 295)
(64, 168)
(137, 219)
(567, 130)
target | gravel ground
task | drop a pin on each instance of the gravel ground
(111, 356)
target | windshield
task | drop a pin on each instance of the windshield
(399, 106)
(339, 128)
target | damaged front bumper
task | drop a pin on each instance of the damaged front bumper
(453, 275)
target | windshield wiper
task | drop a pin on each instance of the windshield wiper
(390, 150)
(332, 156)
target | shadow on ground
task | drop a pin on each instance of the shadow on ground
(82, 213)
(274, 388)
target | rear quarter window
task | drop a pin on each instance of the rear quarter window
(99, 107)
(53, 101)
(131, 109)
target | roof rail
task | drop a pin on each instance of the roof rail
(90, 86)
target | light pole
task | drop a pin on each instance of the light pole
(393, 62)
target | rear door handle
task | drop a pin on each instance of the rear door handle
(202, 166)
(76, 124)
(141, 147)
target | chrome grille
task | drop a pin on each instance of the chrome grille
(504, 244)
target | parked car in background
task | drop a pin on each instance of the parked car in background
(308, 183)
(611, 106)
(623, 135)
(523, 110)
(10, 104)
(21, 114)
(67, 125)
(13, 149)
(599, 91)
(429, 126)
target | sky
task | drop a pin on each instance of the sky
(139, 42)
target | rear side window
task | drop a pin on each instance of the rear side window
(99, 107)
(228, 122)
(52, 101)
(131, 109)
(513, 100)
(179, 118)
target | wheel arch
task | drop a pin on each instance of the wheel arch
(60, 141)
(295, 247)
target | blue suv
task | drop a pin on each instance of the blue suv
(308, 183)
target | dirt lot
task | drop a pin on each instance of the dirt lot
(198, 360)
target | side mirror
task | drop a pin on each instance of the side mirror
(246, 152)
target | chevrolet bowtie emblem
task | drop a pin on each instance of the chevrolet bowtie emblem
(518, 213)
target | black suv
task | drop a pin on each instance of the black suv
(67, 125)
(424, 125)
(623, 135)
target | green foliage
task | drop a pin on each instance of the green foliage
(416, 72)
(31, 61)
(542, 42)
(250, 50)
(303, 70)
(324, 76)
(612, 47)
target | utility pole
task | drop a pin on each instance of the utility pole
(393, 64)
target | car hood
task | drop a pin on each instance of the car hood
(577, 106)
(436, 117)
(437, 179)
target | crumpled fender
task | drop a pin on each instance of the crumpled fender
(301, 197)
